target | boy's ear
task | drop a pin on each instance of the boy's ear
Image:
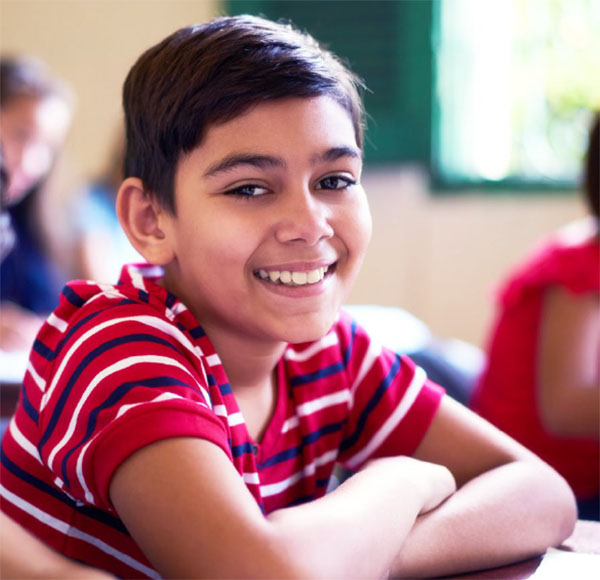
(143, 220)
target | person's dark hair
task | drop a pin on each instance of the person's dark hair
(592, 169)
(22, 77)
(208, 74)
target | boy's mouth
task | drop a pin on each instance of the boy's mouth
(290, 278)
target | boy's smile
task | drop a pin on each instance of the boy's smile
(271, 222)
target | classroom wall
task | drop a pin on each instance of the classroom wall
(438, 257)
(441, 256)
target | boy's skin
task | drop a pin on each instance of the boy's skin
(297, 158)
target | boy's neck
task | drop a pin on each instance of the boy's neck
(252, 373)
(248, 364)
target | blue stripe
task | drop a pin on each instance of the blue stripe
(238, 450)
(306, 440)
(171, 299)
(43, 350)
(348, 353)
(301, 500)
(112, 400)
(28, 407)
(320, 374)
(73, 297)
(224, 389)
(56, 414)
(50, 354)
(323, 482)
(143, 295)
(42, 486)
(197, 332)
(375, 399)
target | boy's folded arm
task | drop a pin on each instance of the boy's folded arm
(509, 506)
(192, 515)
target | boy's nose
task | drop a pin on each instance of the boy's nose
(303, 218)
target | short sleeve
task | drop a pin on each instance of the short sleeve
(392, 401)
(122, 379)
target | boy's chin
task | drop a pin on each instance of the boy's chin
(310, 331)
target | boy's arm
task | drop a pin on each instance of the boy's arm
(24, 556)
(509, 505)
(192, 515)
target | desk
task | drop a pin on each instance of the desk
(585, 539)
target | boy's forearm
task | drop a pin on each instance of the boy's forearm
(355, 530)
(508, 514)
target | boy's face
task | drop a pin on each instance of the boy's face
(272, 223)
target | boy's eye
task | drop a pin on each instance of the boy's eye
(335, 182)
(248, 190)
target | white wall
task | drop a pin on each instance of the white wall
(437, 257)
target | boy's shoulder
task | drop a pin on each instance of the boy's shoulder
(85, 305)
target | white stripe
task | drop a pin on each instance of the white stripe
(152, 321)
(23, 442)
(323, 402)
(328, 340)
(251, 478)
(56, 322)
(79, 469)
(310, 407)
(235, 419)
(213, 360)
(39, 381)
(136, 278)
(148, 270)
(290, 423)
(73, 532)
(178, 308)
(393, 420)
(161, 397)
(370, 357)
(118, 366)
(108, 291)
(307, 471)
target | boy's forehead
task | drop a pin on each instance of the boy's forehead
(283, 122)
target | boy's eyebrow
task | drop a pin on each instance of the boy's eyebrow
(262, 161)
(336, 153)
(236, 159)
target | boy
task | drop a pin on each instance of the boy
(165, 421)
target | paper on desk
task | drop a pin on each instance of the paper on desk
(560, 564)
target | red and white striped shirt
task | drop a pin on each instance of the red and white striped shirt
(118, 367)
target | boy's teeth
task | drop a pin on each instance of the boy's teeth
(293, 278)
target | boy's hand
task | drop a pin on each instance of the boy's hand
(433, 483)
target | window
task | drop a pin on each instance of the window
(496, 93)
(388, 45)
(516, 83)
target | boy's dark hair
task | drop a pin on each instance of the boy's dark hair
(592, 168)
(208, 74)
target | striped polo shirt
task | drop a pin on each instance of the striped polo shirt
(115, 368)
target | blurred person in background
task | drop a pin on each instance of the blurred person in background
(542, 381)
(22, 555)
(35, 115)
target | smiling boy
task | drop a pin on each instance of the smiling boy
(166, 421)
